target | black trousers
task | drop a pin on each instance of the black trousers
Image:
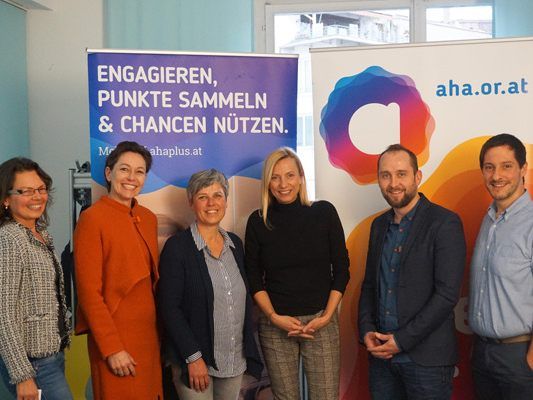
(501, 372)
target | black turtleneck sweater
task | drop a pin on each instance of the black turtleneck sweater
(300, 259)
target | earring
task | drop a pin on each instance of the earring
(6, 206)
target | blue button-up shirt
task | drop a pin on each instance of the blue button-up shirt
(389, 273)
(501, 273)
(390, 270)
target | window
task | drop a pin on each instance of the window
(456, 23)
(297, 32)
(285, 26)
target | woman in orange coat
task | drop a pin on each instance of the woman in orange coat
(116, 256)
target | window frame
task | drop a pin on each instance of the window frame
(264, 11)
(264, 31)
(421, 6)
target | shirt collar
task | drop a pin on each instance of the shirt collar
(119, 206)
(44, 233)
(200, 242)
(520, 203)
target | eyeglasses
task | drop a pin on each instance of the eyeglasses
(28, 192)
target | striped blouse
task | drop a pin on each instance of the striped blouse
(228, 311)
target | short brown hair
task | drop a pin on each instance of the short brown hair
(393, 148)
(504, 139)
(125, 147)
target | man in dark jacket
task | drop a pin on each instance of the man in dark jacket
(414, 268)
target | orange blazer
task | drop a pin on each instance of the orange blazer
(109, 262)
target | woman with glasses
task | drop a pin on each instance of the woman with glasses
(34, 328)
(116, 258)
(297, 266)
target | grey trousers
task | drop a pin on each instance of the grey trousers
(320, 356)
(218, 389)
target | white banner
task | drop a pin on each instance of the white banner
(441, 100)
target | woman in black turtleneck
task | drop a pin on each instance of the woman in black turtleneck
(297, 266)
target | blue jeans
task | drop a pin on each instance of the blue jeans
(408, 380)
(50, 377)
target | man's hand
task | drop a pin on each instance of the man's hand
(529, 358)
(371, 341)
(387, 347)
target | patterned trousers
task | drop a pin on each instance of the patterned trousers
(320, 356)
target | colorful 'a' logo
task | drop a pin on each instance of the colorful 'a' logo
(373, 85)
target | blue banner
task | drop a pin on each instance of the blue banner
(191, 111)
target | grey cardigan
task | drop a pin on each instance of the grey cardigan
(29, 301)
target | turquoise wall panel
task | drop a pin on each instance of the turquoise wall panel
(185, 25)
(14, 136)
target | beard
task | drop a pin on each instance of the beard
(407, 197)
(503, 193)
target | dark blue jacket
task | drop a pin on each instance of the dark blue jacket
(431, 272)
(185, 304)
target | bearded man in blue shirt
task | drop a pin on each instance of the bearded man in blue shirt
(414, 269)
(501, 277)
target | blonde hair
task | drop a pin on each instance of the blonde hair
(268, 167)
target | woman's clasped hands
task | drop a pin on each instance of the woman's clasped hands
(296, 328)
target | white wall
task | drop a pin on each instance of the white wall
(57, 94)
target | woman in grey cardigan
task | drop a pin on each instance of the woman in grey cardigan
(34, 328)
